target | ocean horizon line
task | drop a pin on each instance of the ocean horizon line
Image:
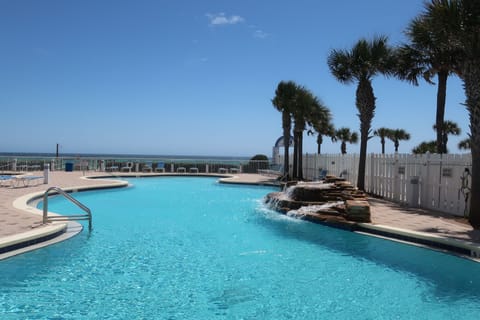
(118, 155)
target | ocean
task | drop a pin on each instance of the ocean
(117, 156)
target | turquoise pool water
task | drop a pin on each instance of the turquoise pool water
(190, 248)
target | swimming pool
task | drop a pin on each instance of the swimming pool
(190, 248)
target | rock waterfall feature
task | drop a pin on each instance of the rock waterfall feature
(332, 201)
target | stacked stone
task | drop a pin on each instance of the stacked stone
(355, 208)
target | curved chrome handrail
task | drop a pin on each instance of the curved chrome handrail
(46, 218)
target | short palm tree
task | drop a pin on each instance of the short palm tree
(448, 127)
(397, 135)
(360, 65)
(345, 136)
(283, 102)
(321, 131)
(464, 144)
(424, 147)
(382, 133)
(320, 123)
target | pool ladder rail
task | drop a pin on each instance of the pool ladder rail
(47, 218)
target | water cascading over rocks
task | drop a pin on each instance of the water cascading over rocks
(333, 200)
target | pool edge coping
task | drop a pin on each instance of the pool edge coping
(43, 235)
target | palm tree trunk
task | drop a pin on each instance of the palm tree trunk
(382, 141)
(471, 84)
(300, 155)
(295, 154)
(441, 96)
(365, 102)
(286, 142)
(319, 143)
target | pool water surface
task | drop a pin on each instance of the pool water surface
(191, 248)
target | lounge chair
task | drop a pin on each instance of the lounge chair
(222, 170)
(193, 170)
(160, 167)
(274, 171)
(82, 165)
(34, 167)
(147, 167)
(322, 174)
(128, 167)
(27, 180)
(4, 179)
(112, 167)
(181, 169)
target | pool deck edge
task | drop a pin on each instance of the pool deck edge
(42, 235)
(465, 249)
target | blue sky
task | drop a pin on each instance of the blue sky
(194, 77)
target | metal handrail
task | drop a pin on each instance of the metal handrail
(46, 218)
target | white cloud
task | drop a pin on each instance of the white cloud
(221, 19)
(259, 34)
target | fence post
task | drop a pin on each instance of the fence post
(424, 186)
(372, 173)
(396, 180)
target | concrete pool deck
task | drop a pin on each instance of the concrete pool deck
(20, 223)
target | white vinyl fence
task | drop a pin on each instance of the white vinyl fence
(429, 181)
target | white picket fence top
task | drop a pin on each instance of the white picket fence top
(430, 181)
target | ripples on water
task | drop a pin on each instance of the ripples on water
(186, 248)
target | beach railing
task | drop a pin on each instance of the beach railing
(134, 164)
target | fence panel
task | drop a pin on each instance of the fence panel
(430, 181)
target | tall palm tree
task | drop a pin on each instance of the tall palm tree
(345, 135)
(360, 64)
(460, 19)
(284, 102)
(397, 135)
(424, 57)
(448, 127)
(382, 133)
(302, 108)
(308, 110)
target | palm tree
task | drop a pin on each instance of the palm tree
(397, 135)
(424, 147)
(464, 144)
(448, 127)
(308, 110)
(424, 57)
(283, 102)
(363, 62)
(320, 122)
(301, 111)
(460, 20)
(321, 131)
(382, 133)
(344, 135)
